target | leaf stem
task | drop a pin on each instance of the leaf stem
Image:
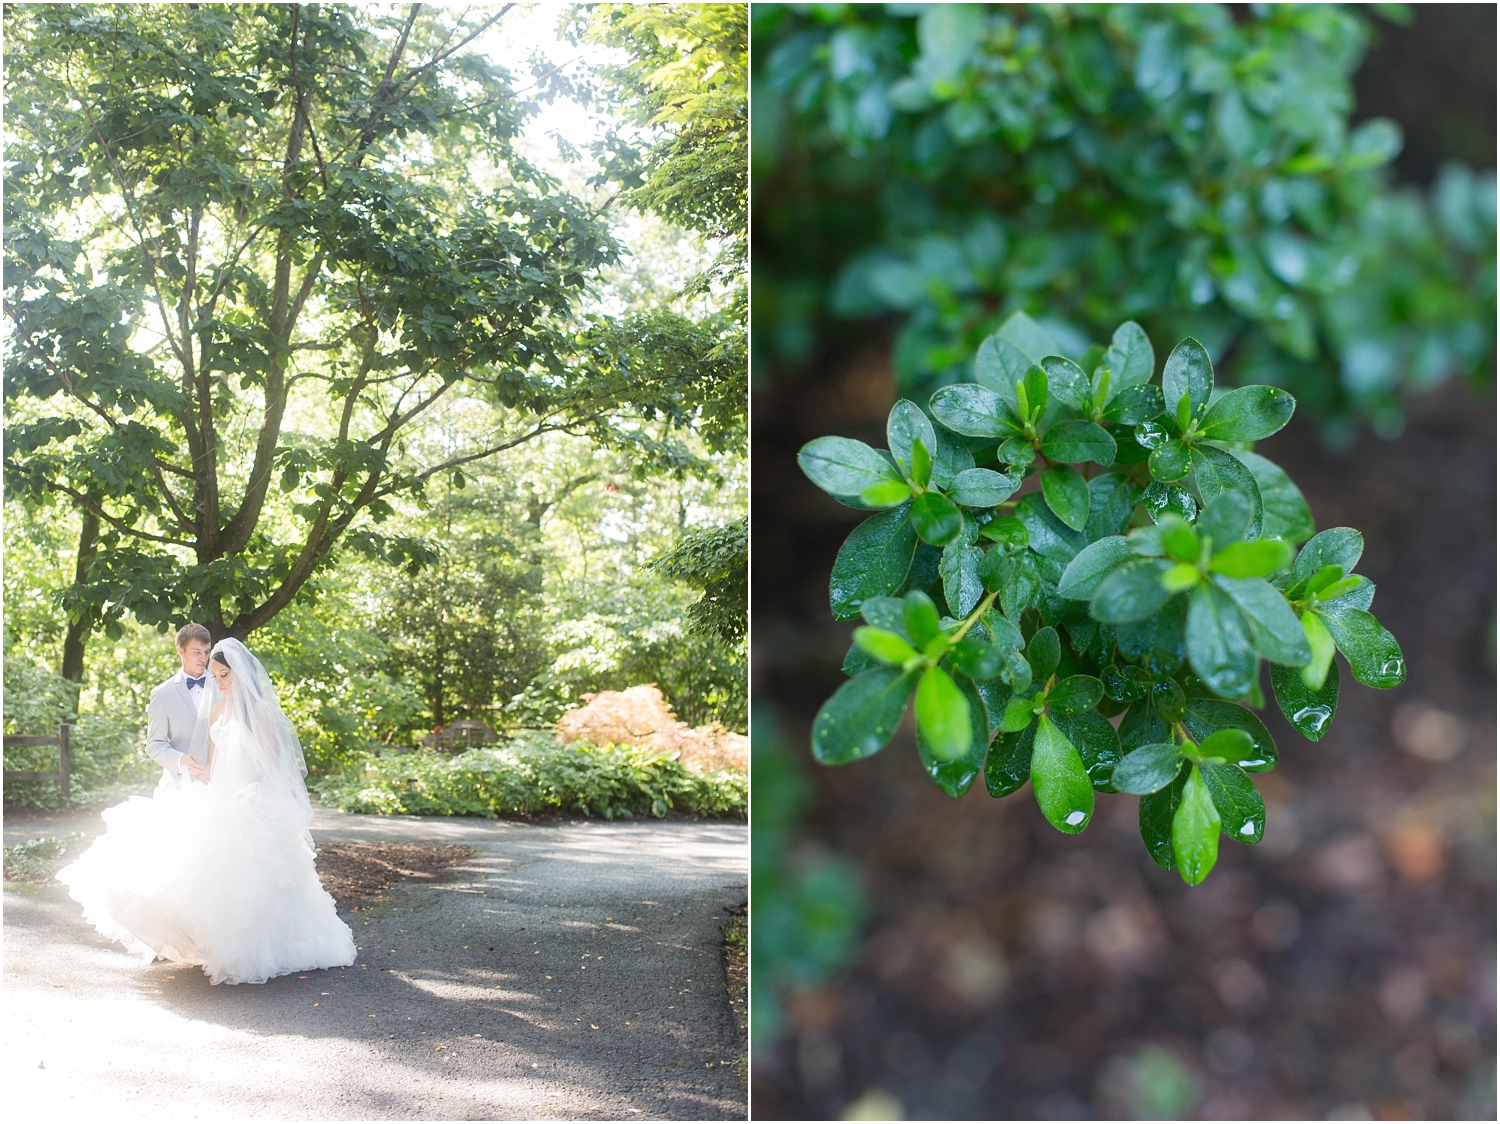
(989, 599)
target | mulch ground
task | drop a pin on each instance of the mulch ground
(355, 874)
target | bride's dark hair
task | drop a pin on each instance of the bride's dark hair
(218, 658)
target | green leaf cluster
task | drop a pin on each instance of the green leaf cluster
(1060, 545)
(1185, 165)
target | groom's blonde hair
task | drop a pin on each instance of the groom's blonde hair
(193, 632)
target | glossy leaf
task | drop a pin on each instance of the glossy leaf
(943, 715)
(906, 425)
(974, 411)
(1020, 582)
(1216, 472)
(888, 613)
(1134, 405)
(998, 366)
(1228, 745)
(936, 518)
(1008, 765)
(1161, 639)
(921, 464)
(1155, 817)
(885, 646)
(1337, 546)
(1032, 395)
(1226, 519)
(1049, 536)
(1247, 414)
(1130, 357)
(1067, 494)
(1076, 693)
(1195, 830)
(977, 658)
(1242, 812)
(1043, 652)
(1168, 700)
(955, 776)
(1132, 593)
(1097, 744)
(1062, 786)
(1251, 559)
(1309, 712)
(1075, 441)
(1202, 716)
(1068, 384)
(1111, 504)
(959, 568)
(1170, 461)
(1188, 371)
(887, 493)
(1092, 565)
(1178, 538)
(982, 487)
(950, 459)
(862, 715)
(1286, 514)
(1275, 630)
(846, 468)
(873, 562)
(1006, 530)
(920, 616)
(1218, 642)
(1374, 657)
(1147, 769)
(1125, 684)
(1019, 713)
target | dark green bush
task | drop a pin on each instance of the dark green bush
(535, 775)
(1182, 165)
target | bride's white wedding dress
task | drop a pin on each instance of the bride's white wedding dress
(218, 874)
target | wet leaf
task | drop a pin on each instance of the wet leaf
(1111, 504)
(982, 487)
(873, 562)
(1076, 693)
(887, 647)
(962, 588)
(1309, 712)
(935, 518)
(1170, 461)
(1076, 441)
(1062, 786)
(1242, 812)
(1092, 565)
(845, 468)
(1132, 593)
(1215, 472)
(1188, 371)
(1008, 765)
(1337, 546)
(1049, 536)
(921, 618)
(1155, 816)
(1195, 830)
(1247, 414)
(905, 426)
(1218, 642)
(1043, 652)
(862, 715)
(1251, 559)
(999, 365)
(955, 776)
(1202, 716)
(1068, 384)
(1130, 357)
(1160, 639)
(1275, 630)
(1097, 744)
(1320, 644)
(1147, 769)
(1006, 530)
(1067, 494)
(1286, 514)
(975, 411)
(1228, 745)
(1226, 519)
(943, 716)
(1374, 657)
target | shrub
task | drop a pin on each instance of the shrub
(1147, 587)
(530, 776)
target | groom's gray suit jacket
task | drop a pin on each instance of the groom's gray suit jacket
(169, 723)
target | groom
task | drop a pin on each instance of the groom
(174, 707)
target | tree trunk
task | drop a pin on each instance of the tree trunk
(78, 630)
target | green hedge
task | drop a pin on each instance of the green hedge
(532, 776)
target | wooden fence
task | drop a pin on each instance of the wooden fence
(64, 758)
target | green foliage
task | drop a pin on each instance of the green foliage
(717, 561)
(108, 761)
(536, 775)
(808, 905)
(225, 224)
(1151, 587)
(1175, 164)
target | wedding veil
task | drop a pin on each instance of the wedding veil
(270, 740)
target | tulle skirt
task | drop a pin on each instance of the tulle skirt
(211, 876)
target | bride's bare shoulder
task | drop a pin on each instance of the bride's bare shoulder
(218, 709)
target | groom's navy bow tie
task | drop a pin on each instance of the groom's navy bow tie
(191, 682)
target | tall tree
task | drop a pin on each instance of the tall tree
(249, 250)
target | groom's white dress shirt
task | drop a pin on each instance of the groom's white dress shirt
(170, 720)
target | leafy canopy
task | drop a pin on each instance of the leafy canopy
(1060, 544)
(250, 250)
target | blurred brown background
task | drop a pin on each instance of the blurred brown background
(1345, 968)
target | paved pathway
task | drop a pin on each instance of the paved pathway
(569, 971)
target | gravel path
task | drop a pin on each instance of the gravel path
(568, 971)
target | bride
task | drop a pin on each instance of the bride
(219, 874)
